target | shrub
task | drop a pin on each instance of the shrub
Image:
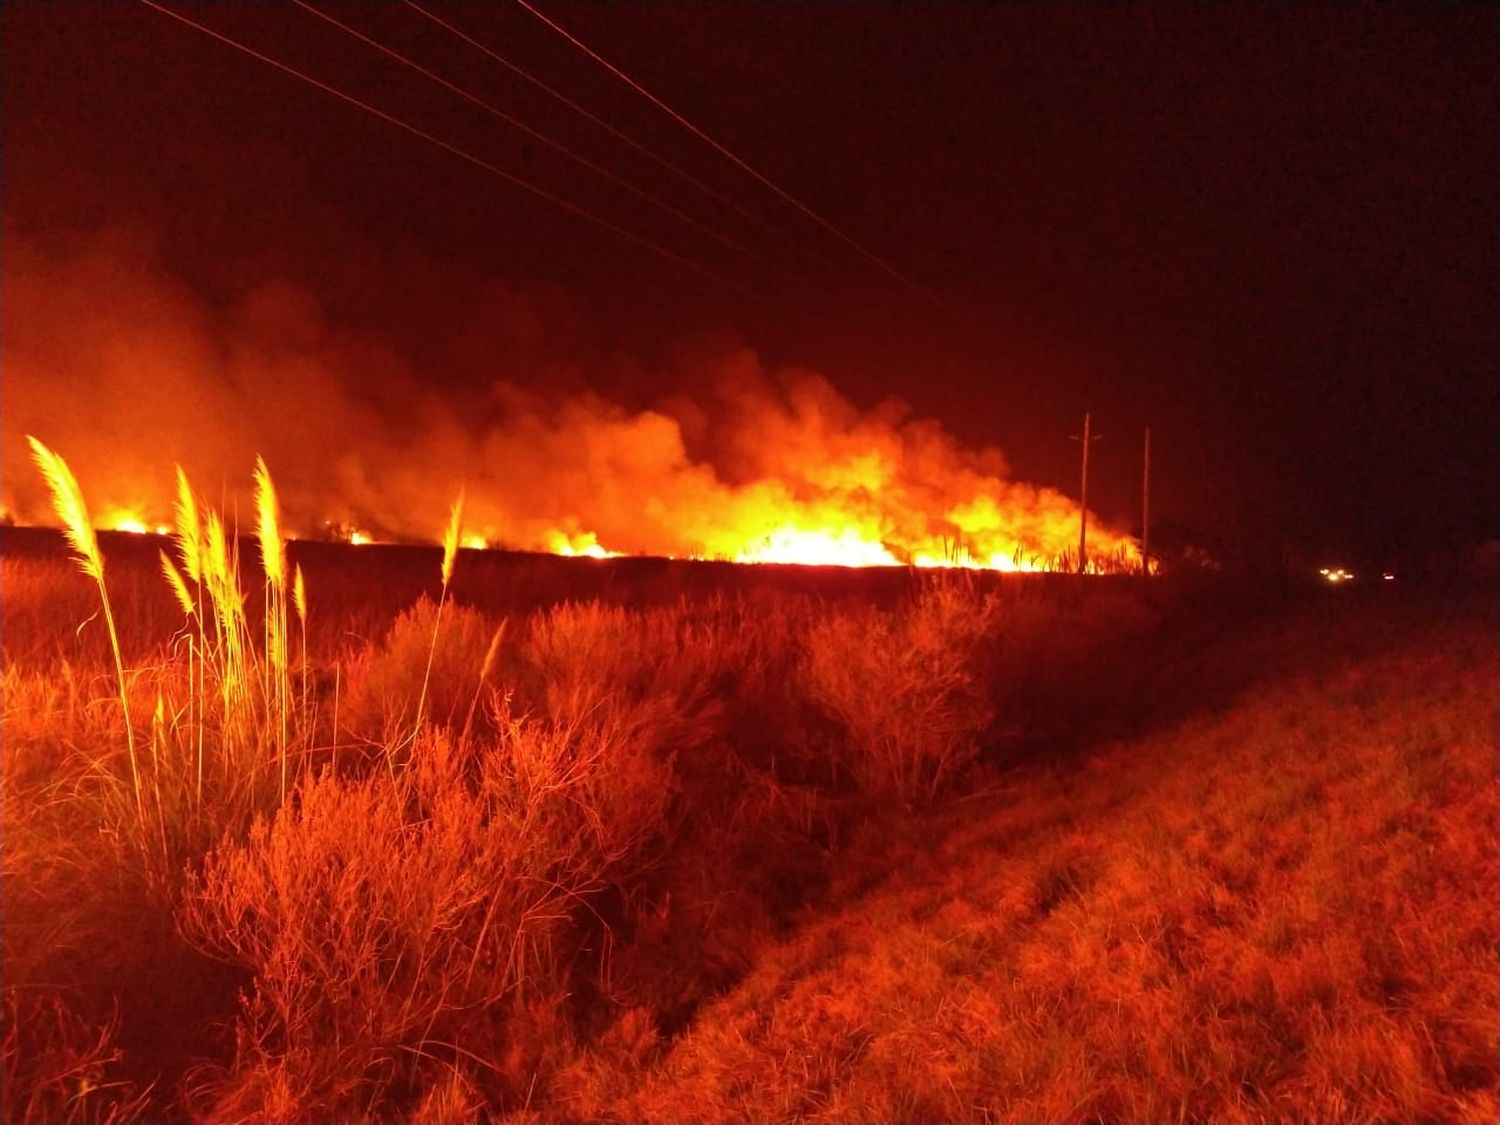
(902, 684)
(383, 694)
(387, 921)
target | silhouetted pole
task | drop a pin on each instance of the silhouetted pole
(1083, 497)
(1146, 507)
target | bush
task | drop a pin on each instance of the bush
(903, 684)
(383, 694)
(387, 921)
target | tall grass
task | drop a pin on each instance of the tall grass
(273, 562)
(451, 535)
(905, 684)
(68, 503)
(595, 820)
(392, 923)
(225, 715)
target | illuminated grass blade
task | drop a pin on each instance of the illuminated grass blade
(67, 502)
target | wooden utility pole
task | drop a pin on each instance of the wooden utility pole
(1083, 496)
(1146, 507)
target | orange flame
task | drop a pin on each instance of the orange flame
(754, 464)
(579, 545)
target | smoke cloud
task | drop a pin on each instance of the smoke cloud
(117, 365)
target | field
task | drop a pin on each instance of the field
(462, 836)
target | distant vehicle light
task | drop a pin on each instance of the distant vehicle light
(1335, 574)
(1388, 576)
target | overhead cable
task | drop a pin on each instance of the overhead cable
(739, 162)
(619, 134)
(462, 154)
(535, 134)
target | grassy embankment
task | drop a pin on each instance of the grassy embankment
(350, 862)
(1279, 908)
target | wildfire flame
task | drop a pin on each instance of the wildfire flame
(842, 538)
(845, 545)
(578, 545)
(116, 519)
(755, 464)
(829, 548)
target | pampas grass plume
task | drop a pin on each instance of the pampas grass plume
(268, 525)
(179, 587)
(299, 595)
(450, 537)
(189, 529)
(67, 502)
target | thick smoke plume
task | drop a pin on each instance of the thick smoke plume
(123, 370)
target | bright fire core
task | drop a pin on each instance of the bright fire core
(759, 467)
(839, 544)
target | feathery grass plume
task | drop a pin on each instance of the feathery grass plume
(450, 555)
(216, 570)
(299, 599)
(299, 596)
(222, 582)
(273, 557)
(450, 537)
(179, 586)
(189, 529)
(268, 525)
(67, 502)
(218, 579)
(485, 669)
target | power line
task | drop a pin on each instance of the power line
(724, 151)
(535, 134)
(479, 162)
(618, 134)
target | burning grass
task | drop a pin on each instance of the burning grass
(488, 851)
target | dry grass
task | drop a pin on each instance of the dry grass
(383, 684)
(905, 686)
(1282, 912)
(58, 1068)
(467, 864)
(391, 926)
(68, 503)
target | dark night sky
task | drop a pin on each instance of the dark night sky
(1268, 232)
